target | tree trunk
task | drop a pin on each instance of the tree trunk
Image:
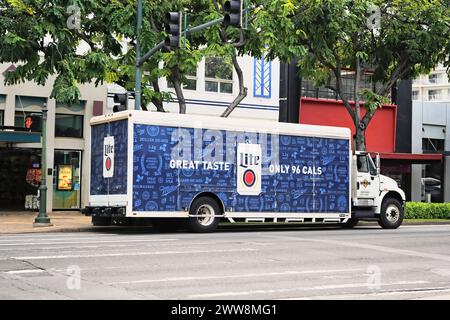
(360, 141)
(175, 78)
(158, 103)
(242, 89)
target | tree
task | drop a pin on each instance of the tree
(389, 40)
(44, 38)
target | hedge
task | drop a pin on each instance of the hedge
(421, 210)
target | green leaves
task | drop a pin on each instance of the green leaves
(372, 100)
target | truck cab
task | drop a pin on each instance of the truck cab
(374, 196)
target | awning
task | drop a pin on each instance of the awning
(413, 158)
(19, 137)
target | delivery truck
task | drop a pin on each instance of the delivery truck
(201, 170)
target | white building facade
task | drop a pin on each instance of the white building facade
(434, 87)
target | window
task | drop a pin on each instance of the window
(262, 78)
(433, 145)
(218, 75)
(363, 165)
(21, 117)
(68, 125)
(1, 118)
(415, 95)
(434, 95)
(190, 83)
(434, 78)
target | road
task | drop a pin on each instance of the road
(412, 262)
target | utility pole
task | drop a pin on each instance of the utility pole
(42, 220)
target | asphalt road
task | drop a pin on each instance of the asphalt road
(412, 262)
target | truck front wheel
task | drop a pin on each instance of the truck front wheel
(204, 212)
(391, 216)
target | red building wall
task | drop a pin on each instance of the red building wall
(380, 134)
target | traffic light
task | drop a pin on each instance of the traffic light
(233, 13)
(173, 28)
(33, 122)
(122, 100)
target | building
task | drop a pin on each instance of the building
(431, 134)
(209, 91)
(399, 131)
(434, 87)
(215, 85)
(68, 138)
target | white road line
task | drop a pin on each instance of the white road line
(24, 271)
(251, 275)
(329, 287)
(404, 252)
(125, 254)
(85, 242)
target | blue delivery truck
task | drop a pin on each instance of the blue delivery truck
(202, 170)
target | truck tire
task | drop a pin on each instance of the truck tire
(204, 209)
(101, 221)
(352, 222)
(391, 216)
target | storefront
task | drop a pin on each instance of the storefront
(20, 173)
(67, 180)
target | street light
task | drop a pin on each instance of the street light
(42, 220)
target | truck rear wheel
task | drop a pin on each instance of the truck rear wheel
(391, 216)
(203, 215)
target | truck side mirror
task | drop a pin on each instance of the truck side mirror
(378, 163)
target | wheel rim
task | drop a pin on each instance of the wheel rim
(205, 215)
(392, 213)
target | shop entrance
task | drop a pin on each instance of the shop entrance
(19, 178)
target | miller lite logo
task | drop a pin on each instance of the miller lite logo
(108, 157)
(249, 164)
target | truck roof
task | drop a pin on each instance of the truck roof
(219, 123)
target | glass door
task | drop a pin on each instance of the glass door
(67, 180)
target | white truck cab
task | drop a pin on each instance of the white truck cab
(374, 196)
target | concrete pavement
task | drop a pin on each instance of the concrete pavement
(22, 222)
(412, 262)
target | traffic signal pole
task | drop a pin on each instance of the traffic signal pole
(138, 80)
(42, 220)
(141, 60)
(233, 17)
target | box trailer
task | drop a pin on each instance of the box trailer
(200, 169)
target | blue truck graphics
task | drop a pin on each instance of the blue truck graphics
(312, 174)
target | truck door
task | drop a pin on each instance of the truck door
(368, 181)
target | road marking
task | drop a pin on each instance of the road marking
(251, 275)
(85, 242)
(404, 252)
(24, 271)
(125, 254)
(328, 287)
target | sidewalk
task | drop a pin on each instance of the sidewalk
(63, 221)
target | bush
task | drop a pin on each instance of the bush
(421, 210)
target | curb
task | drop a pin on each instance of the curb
(222, 227)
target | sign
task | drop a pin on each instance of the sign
(249, 164)
(108, 157)
(65, 177)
